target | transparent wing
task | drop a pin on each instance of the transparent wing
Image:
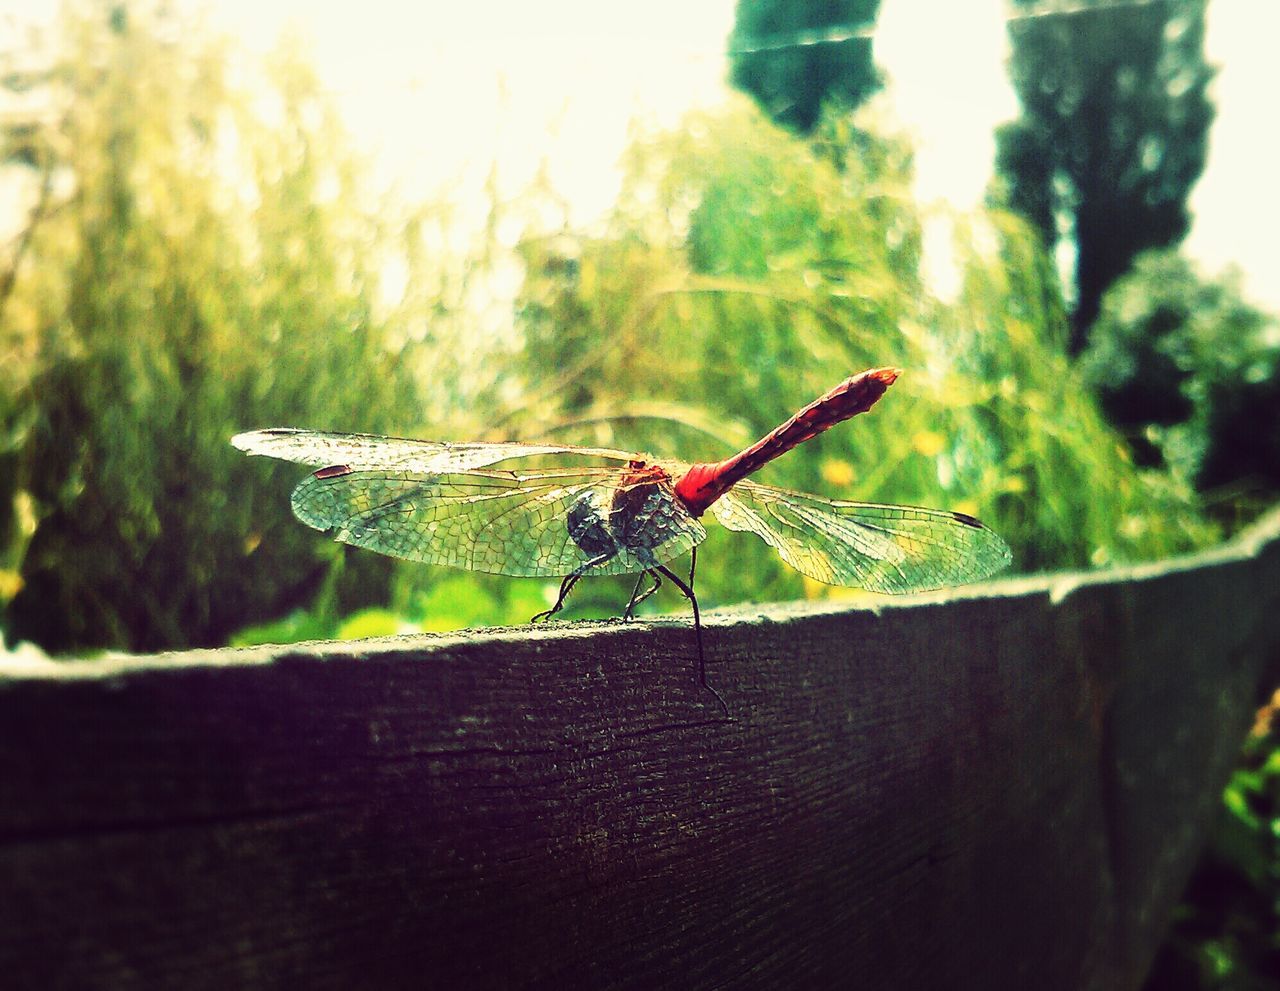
(320, 449)
(881, 548)
(501, 522)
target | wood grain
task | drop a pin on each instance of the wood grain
(1005, 787)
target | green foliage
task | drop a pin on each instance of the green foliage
(745, 272)
(742, 273)
(776, 60)
(1191, 373)
(212, 267)
(1113, 133)
(1226, 936)
(427, 600)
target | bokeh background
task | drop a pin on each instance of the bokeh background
(660, 228)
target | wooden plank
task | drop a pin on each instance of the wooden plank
(1004, 787)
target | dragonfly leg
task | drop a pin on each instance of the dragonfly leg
(637, 598)
(697, 629)
(566, 587)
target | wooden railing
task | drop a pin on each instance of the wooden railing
(1004, 787)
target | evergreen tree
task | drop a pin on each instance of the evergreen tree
(1113, 132)
(792, 57)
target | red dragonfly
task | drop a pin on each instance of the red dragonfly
(597, 511)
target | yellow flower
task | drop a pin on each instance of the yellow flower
(837, 472)
(929, 443)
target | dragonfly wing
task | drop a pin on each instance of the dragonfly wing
(881, 548)
(498, 522)
(320, 449)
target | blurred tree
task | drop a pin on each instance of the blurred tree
(1113, 133)
(202, 271)
(793, 57)
(1190, 372)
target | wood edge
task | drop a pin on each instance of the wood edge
(1252, 543)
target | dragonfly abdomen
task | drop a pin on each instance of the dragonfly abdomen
(703, 484)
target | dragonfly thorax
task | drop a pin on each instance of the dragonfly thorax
(635, 518)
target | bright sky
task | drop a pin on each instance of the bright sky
(435, 91)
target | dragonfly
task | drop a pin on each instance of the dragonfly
(558, 511)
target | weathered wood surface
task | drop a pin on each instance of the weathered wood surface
(1005, 787)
